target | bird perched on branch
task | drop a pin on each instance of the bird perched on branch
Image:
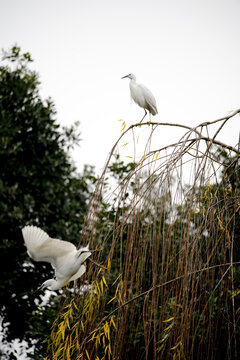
(62, 255)
(142, 96)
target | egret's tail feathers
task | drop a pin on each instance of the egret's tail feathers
(152, 108)
(34, 236)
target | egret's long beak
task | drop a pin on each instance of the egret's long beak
(125, 76)
(38, 289)
(96, 263)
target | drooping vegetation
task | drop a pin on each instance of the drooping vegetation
(170, 244)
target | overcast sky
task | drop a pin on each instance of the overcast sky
(187, 52)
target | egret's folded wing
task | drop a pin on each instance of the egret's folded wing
(137, 94)
(79, 273)
(43, 248)
(150, 100)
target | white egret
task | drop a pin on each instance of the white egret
(62, 255)
(142, 96)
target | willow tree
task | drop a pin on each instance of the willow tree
(169, 288)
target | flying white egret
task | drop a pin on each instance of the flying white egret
(62, 255)
(142, 96)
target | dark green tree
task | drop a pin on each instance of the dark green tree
(38, 185)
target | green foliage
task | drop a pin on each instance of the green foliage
(38, 185)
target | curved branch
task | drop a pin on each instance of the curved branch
(175, 125)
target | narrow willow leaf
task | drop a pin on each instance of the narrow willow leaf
(116, 279)
(87, 354)
(123, 126)
(176, 346)
(82, 325)
(101, 286)
(169, 327)
(112, 322)
(104, 280)
(141, 161)
(111, 300)
(170, 319)
(235, 293)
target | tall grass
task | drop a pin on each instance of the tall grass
(168, 239)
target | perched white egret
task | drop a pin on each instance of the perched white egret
(62, 255)
(142, 96)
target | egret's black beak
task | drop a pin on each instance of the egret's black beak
(38, 289)
(124, 76)
(96, 263)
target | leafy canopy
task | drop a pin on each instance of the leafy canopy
(38, 185)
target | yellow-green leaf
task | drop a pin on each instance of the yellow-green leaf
(104, 280)
(112, 322)
(170, 319)
(87, 354)
(111, 300)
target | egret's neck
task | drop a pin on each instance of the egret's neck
(53, 284)
(133, 79)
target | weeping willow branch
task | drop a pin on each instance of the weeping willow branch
(147, 292)
(167, 218)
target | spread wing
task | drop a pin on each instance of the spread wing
(43, 248)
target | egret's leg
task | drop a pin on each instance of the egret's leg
(149, 118)
(144, 115)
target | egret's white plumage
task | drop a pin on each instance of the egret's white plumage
(62, 255)
(142, 96)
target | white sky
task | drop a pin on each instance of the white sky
(186, 51)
